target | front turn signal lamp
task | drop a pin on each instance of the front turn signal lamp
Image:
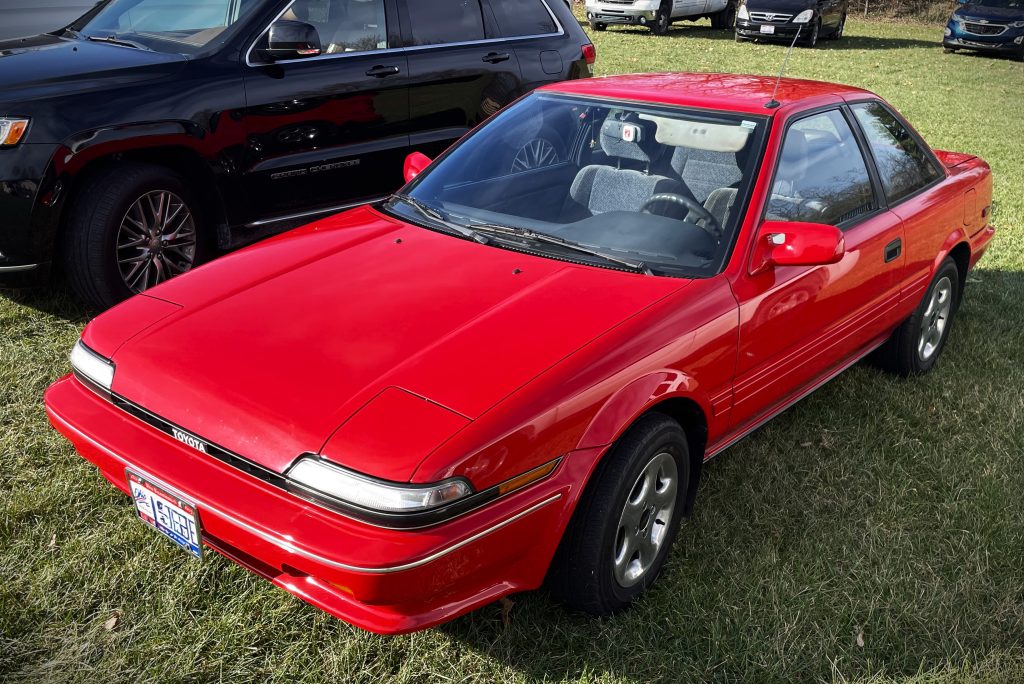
(12, 131)
(92, 368)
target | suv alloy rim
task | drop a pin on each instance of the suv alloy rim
(156, 240)
(645, 519)
(535, 154)
(935, 319)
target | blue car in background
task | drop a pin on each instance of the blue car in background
(987, 25)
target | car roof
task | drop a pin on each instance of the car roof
(729, 92)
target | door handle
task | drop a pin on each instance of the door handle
(495, 57)
(381, 71)
(893, 250)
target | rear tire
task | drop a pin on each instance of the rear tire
(916, 345)
(662, 21)
(724, 19)
(625, 523)
(98, 243)
(838, 32)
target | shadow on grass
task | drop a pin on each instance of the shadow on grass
(848, 42)
(53, 300)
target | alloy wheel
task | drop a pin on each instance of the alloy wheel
(935, 320)
(156, 240)
(645, 519)
(535, 154)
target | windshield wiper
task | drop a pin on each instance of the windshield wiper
(526, 234)
(114, 40)
(439, 218)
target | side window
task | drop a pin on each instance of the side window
(903, 166)
(523, 18)
(822, 177)
(445, 21)
(344, 25)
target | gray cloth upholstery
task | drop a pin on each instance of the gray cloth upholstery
(704, 171)
(643, 150)
(603, 188)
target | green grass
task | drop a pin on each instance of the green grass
(874, 533)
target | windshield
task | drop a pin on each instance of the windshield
(654, 189)
(1005, 4)
(182, 26)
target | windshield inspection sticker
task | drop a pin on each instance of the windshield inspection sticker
(749, 124)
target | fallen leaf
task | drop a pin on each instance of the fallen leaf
(111, 622)
(53, 540)
(805, 444)
(506, 609)
(860, 638)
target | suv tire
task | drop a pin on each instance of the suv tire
(131, 226)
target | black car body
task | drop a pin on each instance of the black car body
(778, 20)
(987, 26)
(249, 140)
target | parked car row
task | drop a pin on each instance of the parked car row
(150, 133)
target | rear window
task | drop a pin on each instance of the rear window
(523, 18)
(445, 21)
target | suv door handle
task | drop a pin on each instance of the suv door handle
(381, 71)
(495, 57)
(893, 250)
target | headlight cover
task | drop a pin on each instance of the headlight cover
(804, 17)
(1017, 24)
(354, 489)
(12, 131)
(742, 12)
(91, 367)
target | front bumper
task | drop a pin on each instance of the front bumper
(382, 580)
(638, 14)
(27, 230)
(1010, 41)
(785, 32)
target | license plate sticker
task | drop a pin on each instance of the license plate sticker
(767, 29)
(167, 512)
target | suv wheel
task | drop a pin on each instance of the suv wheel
(812, 40)
(724, 19)
(659, 26)
(624, 525)
(132, 227)
(838, 33)
(537, 153)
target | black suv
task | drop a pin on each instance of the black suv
(151, 132)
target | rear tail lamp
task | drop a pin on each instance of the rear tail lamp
(590, 53)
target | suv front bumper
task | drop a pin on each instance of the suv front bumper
(27, 229)
(1010, 41)
(639, 13)
(382, 580)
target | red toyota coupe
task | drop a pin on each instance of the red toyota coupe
(513, 369)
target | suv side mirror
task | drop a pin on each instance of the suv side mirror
(414, 165)
(292, 40)
(792, 243)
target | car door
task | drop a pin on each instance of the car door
(331, 129)
(461, 71)
(799, 324)
(534, 34)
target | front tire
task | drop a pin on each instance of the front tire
(625, 524)
(916, 345)
(662, 21)
(131, 227)
(812, 40)
(724, 19)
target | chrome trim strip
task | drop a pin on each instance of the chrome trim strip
(397, 50)
(315, 212)
(291, 548)
(17, 269)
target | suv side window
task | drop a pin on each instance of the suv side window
(523, 18)
(821, 177)
(903, 166)
(344, 25)
(445, 21)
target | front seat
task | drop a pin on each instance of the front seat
(362, 27)
(601, 188)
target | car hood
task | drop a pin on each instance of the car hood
(46, 65)
(996, 14)
(277, 346)
(782, 6)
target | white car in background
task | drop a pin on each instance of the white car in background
(658, 15)
(31, 17)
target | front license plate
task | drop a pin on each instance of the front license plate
(171, 515)
(767, 29)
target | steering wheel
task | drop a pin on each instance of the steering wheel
(710, 223)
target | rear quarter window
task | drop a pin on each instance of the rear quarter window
(903, 165)
(523, 18)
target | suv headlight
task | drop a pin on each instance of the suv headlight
(91, 367)
(742, 12)
(12, 131)
(1017, 24)
(376, 496)
(804, 17)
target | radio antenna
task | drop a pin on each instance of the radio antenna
(773, 103)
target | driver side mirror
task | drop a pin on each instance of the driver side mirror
(292, 40)
(792, 243)
(414, 165)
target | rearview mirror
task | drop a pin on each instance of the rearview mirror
(414, 165)
(792, 243)
(292, 40)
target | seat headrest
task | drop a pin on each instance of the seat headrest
(628, 137)
(795, 151)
